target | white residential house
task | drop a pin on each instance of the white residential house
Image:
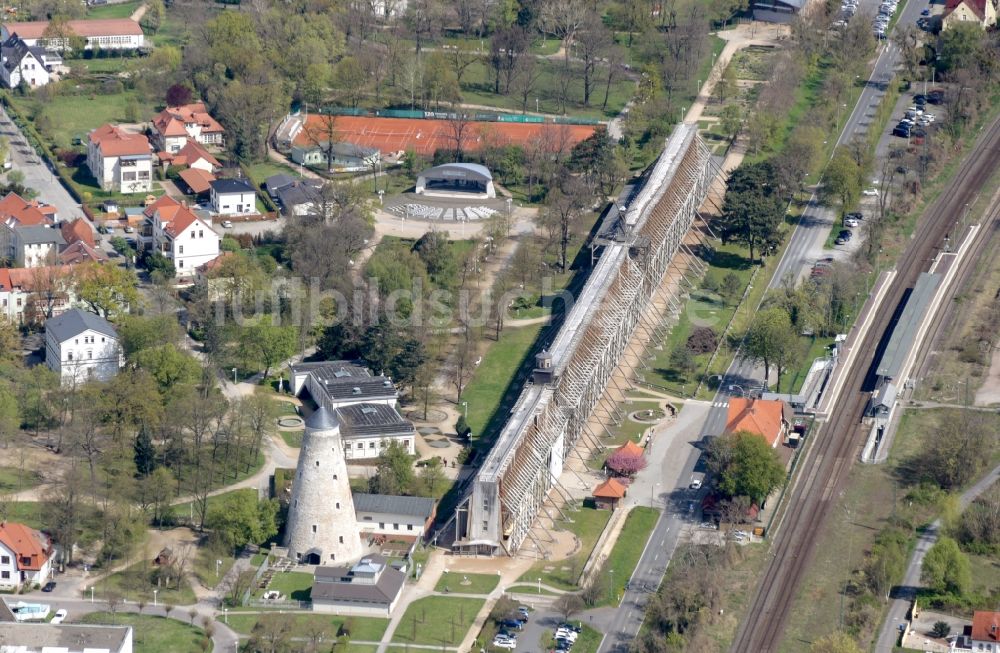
(80, 345)
(184, 236)
(20, 61)
(103, 33)
(25, 557)
(233, 197)
(30, 295)
(36, 245)
(120, 161)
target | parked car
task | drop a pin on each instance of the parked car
(843, 237)
(850, 222)
(512, 623)
(130, 229)
(49, 586)
(935, 97)
(925, 12)
(502, 642)
(524, 611)
(870, 192)
(695, 484)
(821, 271)
(227, 224)
(59, 617)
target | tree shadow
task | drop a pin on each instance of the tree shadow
(730, 261)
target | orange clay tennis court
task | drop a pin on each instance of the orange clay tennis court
(425, 137)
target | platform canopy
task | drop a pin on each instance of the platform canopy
(456, 179)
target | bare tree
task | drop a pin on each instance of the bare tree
(321, 130)
(591, 48)
(563, 209)
(526, 78)
(507, 46)
(460, 130)
(463, 364)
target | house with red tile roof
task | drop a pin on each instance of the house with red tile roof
(103, 33)
(15, 212)
(80, 252)
(77, 230)
(192, 155)
(198, 181)
(764, 417)
(985, 634)
(182, 235)
(608, 494)
(980, 12)
(31, 295)
(25, 557)
(173, 126)
(120, 161)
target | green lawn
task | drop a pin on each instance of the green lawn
(500, 363)
(138, 582)
(154, 634)
(985, 574)
(629, 546)
(437, 620)
(101, 66)
(366, 629)
(75, 115)
(292, 438)
(260, 171)
(523, 588)
(123, 10)
(294, 585)
(28, 513)
(14, 479)
(476, 583)
(204, 566)
(477, 88)
(587, 525)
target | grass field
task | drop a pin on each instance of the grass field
(524, 588)
(137, 583)
(587, 525)
(292, 438)
(294, 585)
(477, 583)
(363, 628)
(154, 634)
(14, 479)
(628, 548)
(75, 115)
(203, 567)
(437, 620)
(123, 10)
(500, 363)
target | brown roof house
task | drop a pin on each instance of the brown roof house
(767, 418)
(369, 588)
(608, 494)
(25, 557)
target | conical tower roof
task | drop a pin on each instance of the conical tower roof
(322, 420)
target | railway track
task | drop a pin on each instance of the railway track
(839, 442)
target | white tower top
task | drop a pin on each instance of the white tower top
(322, 527)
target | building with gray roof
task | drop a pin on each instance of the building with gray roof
(407, 518)
(80, 345)
(369, 588)
(64, 638)
(36, 245)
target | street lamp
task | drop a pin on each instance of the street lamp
(611, 572)
(652, 489)
(539, 584)
(218, 563)
(91, 593)
(465, 409)
(536, 106)
(225, 614)
(234, 376)
(155, 592)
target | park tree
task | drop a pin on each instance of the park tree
(139, 332)
(108, 290)
(267, 344)
(10, 415)
(837, 642)
(772, 341)
(564, 207)
(394, 472)
(843, 180)
(240, 518)
(753, 210)
(747, 465)
(946, 569)
(961, 47)
(624, 463)
(507, 46)
(144, 453)
(169, 366)
(178, 95)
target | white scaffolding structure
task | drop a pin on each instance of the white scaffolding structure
(551, 413)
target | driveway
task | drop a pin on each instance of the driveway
(37, 174)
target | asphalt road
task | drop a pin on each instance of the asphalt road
(36, 172)
(903, 595)
(811, 231)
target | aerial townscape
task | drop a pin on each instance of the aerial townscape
(548, 326)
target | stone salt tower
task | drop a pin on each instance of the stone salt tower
(322, 527)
